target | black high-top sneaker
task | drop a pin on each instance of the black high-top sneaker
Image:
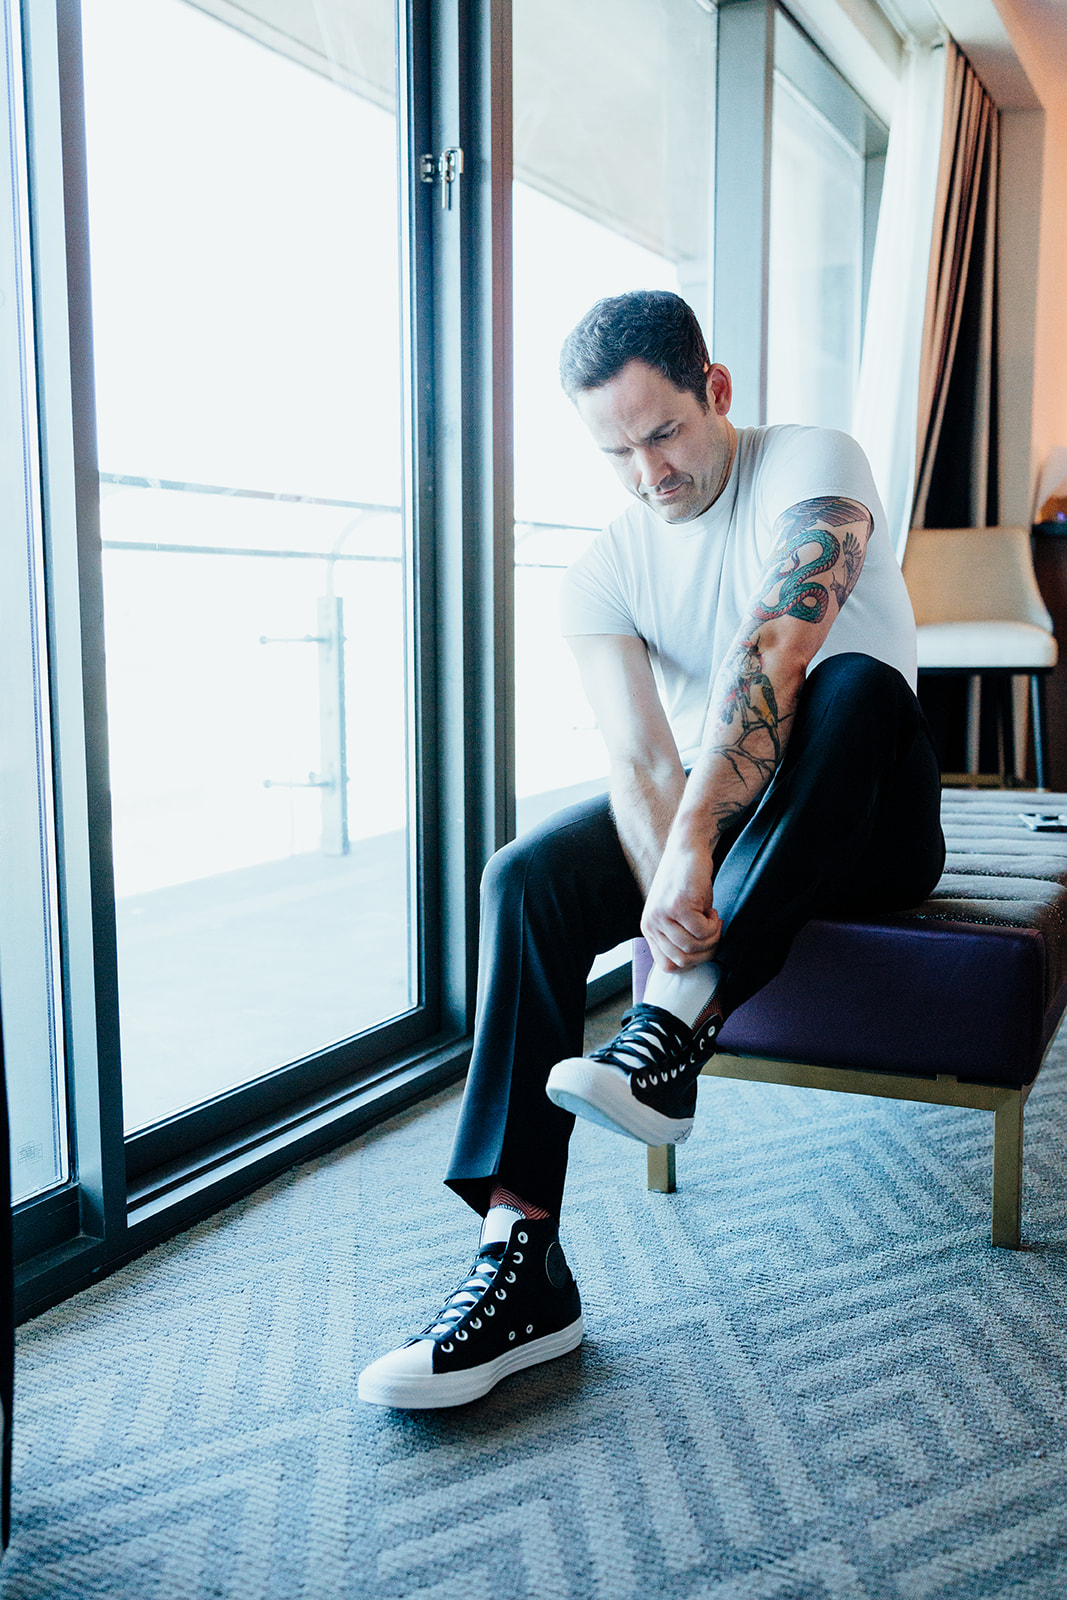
(517, 1306)
(644, 1083)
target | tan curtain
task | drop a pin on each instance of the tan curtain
(956, 483)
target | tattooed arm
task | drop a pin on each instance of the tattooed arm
(817, 558)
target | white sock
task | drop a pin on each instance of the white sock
(683, 994)
(496, 1229)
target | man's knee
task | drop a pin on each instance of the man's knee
(503, 874)
(852, 705)
(854, 681)
(571, 870)
(537, 863)
(851, 668)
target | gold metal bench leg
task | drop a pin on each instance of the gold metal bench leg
(1008, 1169)
(661, 1170)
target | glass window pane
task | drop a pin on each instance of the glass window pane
(816, 265)
(29, 933)
(613, 144)
(247, 337)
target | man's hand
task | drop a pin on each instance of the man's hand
(679, 920)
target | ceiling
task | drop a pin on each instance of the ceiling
(1038, 31)
(1017, 47)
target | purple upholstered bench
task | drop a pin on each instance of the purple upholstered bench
(955, 1002)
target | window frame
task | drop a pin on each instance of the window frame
(125, 1194)
(748, 40)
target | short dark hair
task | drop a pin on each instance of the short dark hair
(649, 325)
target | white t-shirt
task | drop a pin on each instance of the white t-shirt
(684, 587)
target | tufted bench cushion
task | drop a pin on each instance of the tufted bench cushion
(952, 1003)
(971, 983)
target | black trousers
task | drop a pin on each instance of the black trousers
(850, 822)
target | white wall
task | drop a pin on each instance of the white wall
(1022, 142)
(1050, 367)
(1038, 32)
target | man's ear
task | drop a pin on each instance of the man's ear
(720, 388)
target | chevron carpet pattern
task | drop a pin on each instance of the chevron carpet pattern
(806, 1376)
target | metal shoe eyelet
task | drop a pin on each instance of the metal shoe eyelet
(511, 1335)
(522, 1238)
(490, 1311)
(517, 1257)
(509, 1277)
(462, 1334)
(446, 1348)
(476, 1322)
(653, 1079)
(529, 1327)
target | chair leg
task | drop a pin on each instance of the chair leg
(1008, 1170)
(1006, 717)
(661, 1168)
(1037, 717)
(974, 722)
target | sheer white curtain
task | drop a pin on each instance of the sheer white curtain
(886, 408)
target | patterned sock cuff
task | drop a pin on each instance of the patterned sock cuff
(504, 1197)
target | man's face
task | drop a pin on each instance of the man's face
(664, 446)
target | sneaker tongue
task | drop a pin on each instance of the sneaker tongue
(499, 1221)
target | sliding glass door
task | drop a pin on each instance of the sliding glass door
(242, 189)
(613, 121)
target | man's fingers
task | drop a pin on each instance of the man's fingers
(677, 949)
(695, 923)
(670, 959)
(691, 935)
(664, 955)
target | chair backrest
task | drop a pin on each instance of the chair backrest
(973, 575)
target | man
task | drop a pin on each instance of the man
(746, 642)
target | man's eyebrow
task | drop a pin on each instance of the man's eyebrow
(668, 422)
(616, 449)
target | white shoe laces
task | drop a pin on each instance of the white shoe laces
(650, 1038)
(466, 1295)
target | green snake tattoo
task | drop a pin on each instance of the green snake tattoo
(749, 707)
(794, 583)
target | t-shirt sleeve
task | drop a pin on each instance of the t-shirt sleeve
(809, 463)
(591, 596)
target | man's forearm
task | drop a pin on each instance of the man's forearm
(817, 561)
(753, 705)
(809, 576)
(754, 701)
(644, 804)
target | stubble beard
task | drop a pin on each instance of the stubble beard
(682, 509)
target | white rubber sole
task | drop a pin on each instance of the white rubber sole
(601, 1093)
(435, 1390)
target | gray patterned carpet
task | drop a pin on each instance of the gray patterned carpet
(805, 1375)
